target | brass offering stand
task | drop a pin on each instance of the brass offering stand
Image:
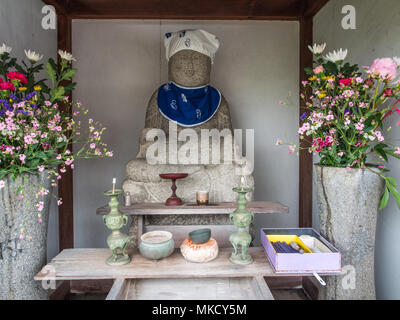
(241, 218)
(117, 241)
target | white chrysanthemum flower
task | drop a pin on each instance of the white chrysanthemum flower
(336, 56)
(33, 56)
(66, 55)
(317, 48)
(397, 60)
(5, 49)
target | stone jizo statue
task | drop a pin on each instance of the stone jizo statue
(188, 101)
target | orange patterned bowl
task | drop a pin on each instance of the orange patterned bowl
(204, 252)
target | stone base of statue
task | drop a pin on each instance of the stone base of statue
(145, 185)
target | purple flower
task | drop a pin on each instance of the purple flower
(303, 115)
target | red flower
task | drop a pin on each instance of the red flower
(388, 92)
(13, 75)
(1, 80)
(345, 81)
(6, 86)
(369, 82)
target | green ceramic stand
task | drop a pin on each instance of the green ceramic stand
(117, 241)
(241, 218)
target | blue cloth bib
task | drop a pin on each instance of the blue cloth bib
(188, 106)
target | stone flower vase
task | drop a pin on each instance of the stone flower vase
(348, 202)
(21, 259)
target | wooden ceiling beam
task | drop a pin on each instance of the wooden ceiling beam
(312, 7)
(184, 9)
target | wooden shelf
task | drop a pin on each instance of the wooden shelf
(81, 264)
(264, 207)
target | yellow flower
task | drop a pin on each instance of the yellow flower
(312, 78)
(37, 88)
(22, 88)
(329, 78)
(322, 94)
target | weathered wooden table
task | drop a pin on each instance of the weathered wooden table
(174, 277)
(169, 278)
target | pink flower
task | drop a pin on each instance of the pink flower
(92, 146)
(277, 143)
(28, 139)
(40, 168)
(2, 184)
(396, 152)
(388, 92)
(291, 149)
(385, 68)
(347, 168)
(59, 202)
(40, 206)
(22, 158)
(340, 154)
(318, 69)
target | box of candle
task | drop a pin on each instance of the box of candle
(300, 250)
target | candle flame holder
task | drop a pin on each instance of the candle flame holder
(117, 241)
(241, 218)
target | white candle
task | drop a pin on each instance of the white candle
(242, 181)
(114, 182)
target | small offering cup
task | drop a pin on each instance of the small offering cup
(202, 197)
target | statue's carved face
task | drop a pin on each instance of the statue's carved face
(189, 68)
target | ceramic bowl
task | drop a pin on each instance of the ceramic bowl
(204, 252)
(156, 245)
(200, 236)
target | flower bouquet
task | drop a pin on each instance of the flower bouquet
(345, 113)
(35, 131)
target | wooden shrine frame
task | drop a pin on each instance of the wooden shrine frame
(283, 10)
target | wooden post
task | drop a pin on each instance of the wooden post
(65, 186)
(305, 158)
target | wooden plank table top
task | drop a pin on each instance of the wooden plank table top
(193, 208)
(81, 264)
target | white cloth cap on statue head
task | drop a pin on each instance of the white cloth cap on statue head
(197, 40)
